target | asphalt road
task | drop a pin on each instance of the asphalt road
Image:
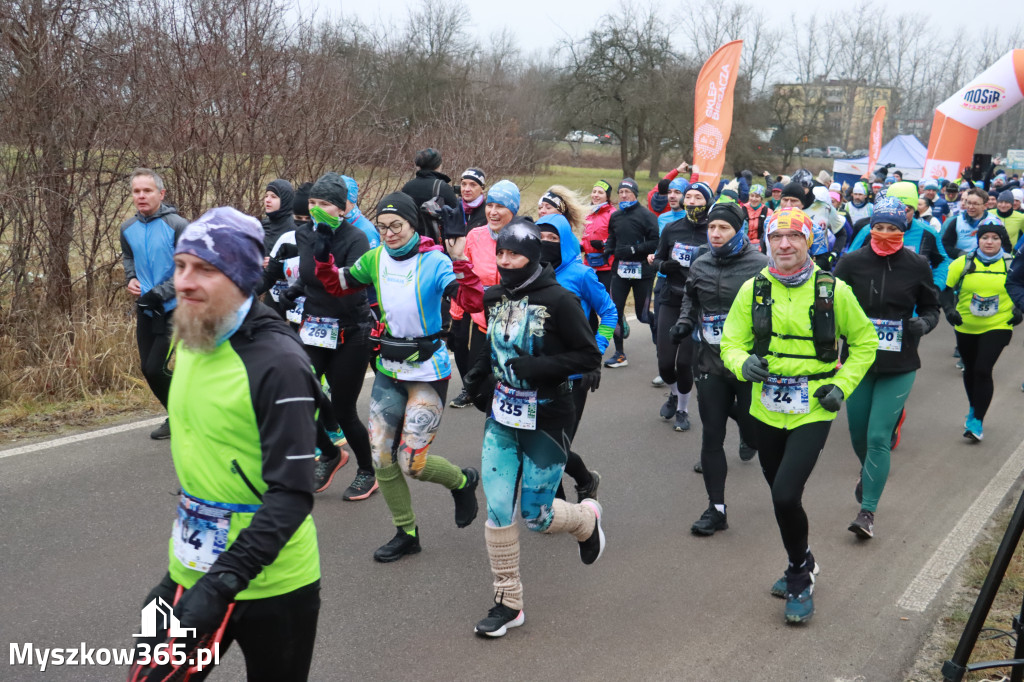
(85, 530)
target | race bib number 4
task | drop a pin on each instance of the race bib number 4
(320, 331)
(684, 253)
(711, 326)
(786, 395)
(200, 533)
(984, 306)
(630, 269)
(890, 334)
(515, 407)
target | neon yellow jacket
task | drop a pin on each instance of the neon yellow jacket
(986, 281)
(790, 316)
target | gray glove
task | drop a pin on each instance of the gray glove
(917, 326)
(755, 369)
(830, 396)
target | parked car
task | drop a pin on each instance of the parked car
(607, 138)
(581, 136)
(858, 153)
(814, 152)
(834, 152)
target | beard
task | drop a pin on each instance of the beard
(199, 329)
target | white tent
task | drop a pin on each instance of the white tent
(905, 151)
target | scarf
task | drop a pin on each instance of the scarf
(623, 205)
(989, 260)
(731, 247)
(514, 279)
(240, 314)
(411, 246)
(886, 243)
(597, 207)
(467, 207)
(795, 279)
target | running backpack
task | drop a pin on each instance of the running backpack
(822, 314)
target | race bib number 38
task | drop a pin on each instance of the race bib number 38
(684, 253)
(890, 334)
(320, 331)
(515, 407)
(200, 533)
(787, 395)
(630, 269)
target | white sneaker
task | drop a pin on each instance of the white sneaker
(659, 382)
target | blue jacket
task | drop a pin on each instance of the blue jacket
(912, 240)
(356, 217)
(573, 275)
(147, 251)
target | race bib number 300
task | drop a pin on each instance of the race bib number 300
(786, 395)
(630, 269)
(200, 533)
(320, 331)
(890, 334)
(515, 407)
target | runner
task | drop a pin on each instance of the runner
(412, 275)
(537, 338)
(564, 202)
(242, 402)
(757, 216)
(978, 306)
(711, 287)
(334, 330)
(797, 389)
(891, 283)
(677, 248)
(595, 233)
(1012, 220)
(561, 251)
(632, 236)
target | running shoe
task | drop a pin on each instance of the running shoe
(897, 430)
(698, 467)
(800, 607)
(592, 548)
(956, 351)
(659, 382)
(858, 491)
(364, 485)
(162, 432)
(960, 365)
(864, 525)
(747, 452)
(326, 468)
(710, 521)
(461, 400)
(617, 360)
(337, 437)
(682, 421)
(584, 492)
(499, 619)
(466, 505)
(973, 430)
(399, 546)
(669, 408)
(779, 587)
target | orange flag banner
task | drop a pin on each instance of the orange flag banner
(712, 112)
(875, 144)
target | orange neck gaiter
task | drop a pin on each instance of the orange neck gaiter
(886, 243)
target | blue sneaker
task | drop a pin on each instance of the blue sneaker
(969, 417)
(779, 587)
(973, 430)
(800, 607)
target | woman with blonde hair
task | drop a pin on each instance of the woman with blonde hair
(564, 201)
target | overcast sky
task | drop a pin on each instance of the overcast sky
(539, 24)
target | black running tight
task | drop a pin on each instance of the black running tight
(979, 353)
(718, 398)
(621, 288)
(787, 460)
(675, 360)
(345, 369)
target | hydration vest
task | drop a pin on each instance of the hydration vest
(822, 315)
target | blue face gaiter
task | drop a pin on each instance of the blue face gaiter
(405, 249)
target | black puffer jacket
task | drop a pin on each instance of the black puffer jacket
(890, 288)
(348, 243)
(711, 288)
(679, 243)
(428, 184)
(632, 236)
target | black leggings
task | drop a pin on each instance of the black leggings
(675, 360)
(718, 398)
(345, 368)
(153, 336)
(787, 460)
(979, 353)
(276, 634)
(621, 288)
(574, 466)
(466, 342)
(605, 278)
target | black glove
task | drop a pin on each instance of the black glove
(830, 396)
(670, 265)
(591, 380)
(917, 326)
(680, 331)
(151, 301)
(527, 369)
(1017, 318)
(597, 244)
(204, 605)
(954, 318)
(322, 243)
(471, 382)
(288, 297)
(663, 186)
(625, 252)
(755, 369)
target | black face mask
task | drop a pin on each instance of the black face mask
(512, 278)
(551, 252)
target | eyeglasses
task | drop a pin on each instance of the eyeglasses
(394, 227)
(776, 237)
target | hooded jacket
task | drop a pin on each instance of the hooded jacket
(711, 288)
(348, 243)
(680, 241)
(596, 229)
(582, 281)
(147, 251)
(889, 289)
(632, 236)
(429, 184)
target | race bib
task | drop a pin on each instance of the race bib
(200, 533)
(630, 269)
(295, 314)
(787, 395)
(515, 407)
(712, 326)
(984, 306)
(277, 290)
(321, 332)
(684, 253)
(890, 334)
